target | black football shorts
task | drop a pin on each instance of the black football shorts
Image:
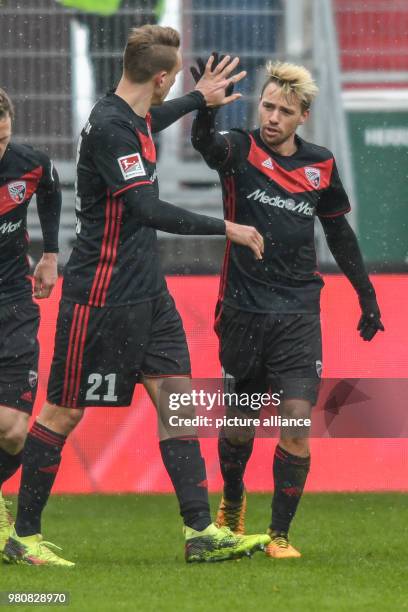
(19, 352)
(101, 353)
(278, 351)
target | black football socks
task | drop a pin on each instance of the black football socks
(186, 468)
(289, 473)
(233, 459)
(41, 460)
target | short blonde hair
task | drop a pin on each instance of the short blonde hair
(294, 80)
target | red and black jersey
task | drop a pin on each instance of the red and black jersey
(115, 260)
(280, 196)
(24, 171)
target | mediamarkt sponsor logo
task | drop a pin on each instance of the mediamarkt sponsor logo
(300, 207)
(8, 228)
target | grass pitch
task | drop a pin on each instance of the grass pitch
(129, 554)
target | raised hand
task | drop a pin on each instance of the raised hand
(214, 79)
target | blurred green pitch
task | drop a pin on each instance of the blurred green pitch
(129, 555)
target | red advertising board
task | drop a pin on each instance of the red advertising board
(116, 449)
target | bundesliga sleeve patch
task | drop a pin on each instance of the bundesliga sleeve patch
(131, 166)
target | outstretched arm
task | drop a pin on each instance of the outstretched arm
(169, 112)
(147, 209)
(343, 245)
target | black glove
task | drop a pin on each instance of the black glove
(197, 74)
(370, 321)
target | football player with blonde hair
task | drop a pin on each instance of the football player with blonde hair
(268, 311)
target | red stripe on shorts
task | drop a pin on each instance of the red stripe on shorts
(82, 340)
(69, 356)
(74, 360)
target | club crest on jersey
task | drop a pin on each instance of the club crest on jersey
(17, 191)
(268, 163)
(313, 176)
(131, 166)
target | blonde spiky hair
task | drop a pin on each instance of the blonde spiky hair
(294, 80)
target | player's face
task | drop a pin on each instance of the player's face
(165, 81)
(5, 134)
(279, 117)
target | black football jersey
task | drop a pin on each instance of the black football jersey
(115, 260)
(280, 196)
(24, 171)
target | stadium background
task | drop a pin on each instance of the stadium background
(53, 70)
